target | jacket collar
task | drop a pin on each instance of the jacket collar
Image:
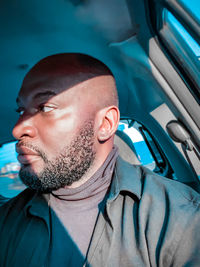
(38, 206)
(127, 177)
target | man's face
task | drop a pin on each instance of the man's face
(55, 132)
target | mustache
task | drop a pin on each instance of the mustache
(23, 143)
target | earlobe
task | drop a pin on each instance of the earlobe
(109, 123)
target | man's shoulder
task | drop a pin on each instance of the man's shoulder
(149, 185)
(166, 213)
(158, 186)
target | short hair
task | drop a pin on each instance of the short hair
(75, 61)
(78, 63)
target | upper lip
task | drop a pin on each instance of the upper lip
(23, 150)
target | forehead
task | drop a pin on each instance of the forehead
(70, 88)
(44, 85)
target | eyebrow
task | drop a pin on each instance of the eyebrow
(40, 95)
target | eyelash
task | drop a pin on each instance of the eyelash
(19, 110)
(41, 107)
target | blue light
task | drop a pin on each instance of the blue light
(186, 36)
(193, 6)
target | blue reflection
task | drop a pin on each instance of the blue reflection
(193, 6)
(187, 37)
(10, 184)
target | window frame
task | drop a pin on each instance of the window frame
(154, 11)
(162, 168)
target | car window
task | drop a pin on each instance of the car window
(184, 48)
(10, 184)
(141, 149)
(146, 148)
(176, 25)
(193, 7)
(182, 32)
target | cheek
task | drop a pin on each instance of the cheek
(56, 134)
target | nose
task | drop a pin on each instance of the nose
(24, 128)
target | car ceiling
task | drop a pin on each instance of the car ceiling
(104, 29)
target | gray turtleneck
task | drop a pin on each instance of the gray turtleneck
(73, 216)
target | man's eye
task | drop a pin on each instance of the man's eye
(20, 111)
(45, 108)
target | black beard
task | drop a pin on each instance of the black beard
(69, 167)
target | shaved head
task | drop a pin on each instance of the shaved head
(68, 69)
(73, 63)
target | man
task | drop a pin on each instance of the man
(85, 205)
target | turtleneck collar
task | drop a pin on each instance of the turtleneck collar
(95, 186)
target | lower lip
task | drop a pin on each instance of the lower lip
(27, 159)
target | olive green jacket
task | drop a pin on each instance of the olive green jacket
(148, 220)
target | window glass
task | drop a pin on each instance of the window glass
(193, 6)
(195, 48)
(141, 148)
(10, 184)
(185, 51)
(146, 148)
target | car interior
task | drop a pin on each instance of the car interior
(153, 50)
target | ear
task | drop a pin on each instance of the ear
(109, 119)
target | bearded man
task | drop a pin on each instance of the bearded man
(84, 205)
